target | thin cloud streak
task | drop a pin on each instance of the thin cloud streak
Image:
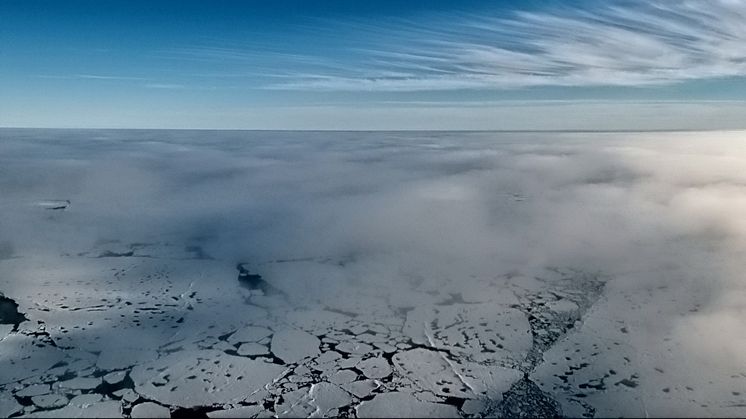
(627, 44)
(164, 86)
(100, 77)
(87, 77)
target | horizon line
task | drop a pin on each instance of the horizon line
(508, 131)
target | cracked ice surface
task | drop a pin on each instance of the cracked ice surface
(361, 274)
(202, 378)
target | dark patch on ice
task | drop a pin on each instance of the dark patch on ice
(54, 204)
(110, 254)
(247, 279)
(458, 402)
(135, 250)
(25, 401)
(453, 298)
(340, 311)
(9, 313)
(198, 252)
(628, 382)
(195, 412)
(526, 400)
(255, 281)
(109, 389)
(67, 375)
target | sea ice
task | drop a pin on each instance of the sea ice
(396, 405)
(150, 410)
(391, 274)
(202, 378)
(292, 345)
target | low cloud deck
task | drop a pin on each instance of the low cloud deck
(392, 274)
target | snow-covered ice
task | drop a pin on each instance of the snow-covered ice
(260, 274)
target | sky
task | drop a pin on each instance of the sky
(384, 65)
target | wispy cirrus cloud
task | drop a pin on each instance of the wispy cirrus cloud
(165, 86)
(620, 44)
(88, 77)
(107, 77)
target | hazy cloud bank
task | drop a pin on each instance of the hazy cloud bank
(661, 214)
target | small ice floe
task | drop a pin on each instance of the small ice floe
(293, 345)
(150, 410)
(53, 204)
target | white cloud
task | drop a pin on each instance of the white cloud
(106, 77)
(87, 77)
(660, 213)
(627, 44)
(164, 86)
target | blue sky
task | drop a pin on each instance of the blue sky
(374, 65)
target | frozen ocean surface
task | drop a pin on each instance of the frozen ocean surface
(218, 273)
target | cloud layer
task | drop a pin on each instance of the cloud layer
(660, 214)
(618, 44)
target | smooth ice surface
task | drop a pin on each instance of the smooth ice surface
(372, 274)
(202, 378)
(150, 410)
(292, 345)
(393, 405)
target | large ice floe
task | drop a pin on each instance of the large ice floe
(315, 274)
